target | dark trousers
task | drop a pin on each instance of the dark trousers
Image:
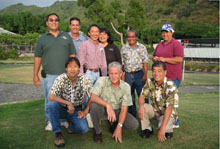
(98, 113)
(135, 82)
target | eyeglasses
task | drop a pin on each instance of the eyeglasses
(51, 20)
(131, 36)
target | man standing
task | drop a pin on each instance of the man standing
(52, 51)
(92, 55)
(164, 96)
(77, 36)
(134, 61)
(110, 99)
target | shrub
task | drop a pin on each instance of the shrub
(3, 55)
(12, 53)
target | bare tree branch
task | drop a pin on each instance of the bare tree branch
(121, 34)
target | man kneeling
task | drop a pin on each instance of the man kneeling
(110, 99)
(164, 96)
(66, 100)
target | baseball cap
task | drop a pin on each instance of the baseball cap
(167, 27)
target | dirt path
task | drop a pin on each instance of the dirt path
(12, 93)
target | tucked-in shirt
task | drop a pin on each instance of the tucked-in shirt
(162, 96)
(78, 41)
(64, 89)
(173, 49)
(112, 54)
(93, 56)
(134, 58)
(54, 52)
(116, 97)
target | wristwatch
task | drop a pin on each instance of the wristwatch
(119, 124)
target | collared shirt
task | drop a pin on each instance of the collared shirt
(114, 96)
(54, 52)
(134, 58)
(78, 41)
(170, 50)
(64, 89)
(163, 96)
(93, 56)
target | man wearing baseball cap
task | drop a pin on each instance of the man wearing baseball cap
(170, 51)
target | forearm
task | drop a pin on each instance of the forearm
(122, 114)
(141, 100)
(145, 68)
(173, 60)
(96, 99)
(59, 100)
(37, 63)
(166, 117)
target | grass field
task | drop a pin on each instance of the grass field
(22, 126)
(24, 74)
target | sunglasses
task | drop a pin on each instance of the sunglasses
(51, 20)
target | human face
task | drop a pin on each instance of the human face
(103, 37)
(53, 23)
(72, 70)
(74, 27)
(115, 76)
(94, 33)
(167, 36)
(159, 74)
(132, 39)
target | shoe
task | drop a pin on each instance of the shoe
(177, 124)
(97, 138)
(65, 124)
(49, 126)
(169, 135)
(146, 133)
(89, 120)
(59, 140)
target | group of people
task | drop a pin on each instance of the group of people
(73, 63)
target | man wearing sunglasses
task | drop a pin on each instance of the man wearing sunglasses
(52, 50)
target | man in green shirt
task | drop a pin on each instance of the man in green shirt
(110, 99)
(164, 101)
(52, 51)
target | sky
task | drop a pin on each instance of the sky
(39, 3)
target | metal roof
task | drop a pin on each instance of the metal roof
(5, 31)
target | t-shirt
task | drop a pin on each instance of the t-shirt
(172, 49)
(112, 54)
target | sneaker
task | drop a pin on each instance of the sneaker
(97, 138)
(89, 120)
(65, 124)
(169, 135)
(177, 124)
(49, 126)
(146, 133)
(59, 140)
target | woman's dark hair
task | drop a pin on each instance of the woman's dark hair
(105, 30)
(72, 59)
(158, 64)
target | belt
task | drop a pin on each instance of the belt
(94, 70)
(133, 72)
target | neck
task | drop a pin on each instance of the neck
(167, 41)
(159, 83)
(73, 79)
(95, 41)
(105, 44)
(115, 85)
(54, 32)
(75, 35)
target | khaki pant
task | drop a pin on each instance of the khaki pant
(151, 114)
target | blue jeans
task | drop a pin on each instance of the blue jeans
(93, 76)
(57, 111)
(47, 83)
(135, 82)
(177, 82)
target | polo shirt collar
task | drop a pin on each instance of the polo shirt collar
(110, 84)
(60, 32)
(168, 42)
(79, 38)
(163, 85)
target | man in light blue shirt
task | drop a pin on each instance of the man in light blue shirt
(77, 36)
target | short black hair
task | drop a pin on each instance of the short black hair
(105, 30)
(47, 17)
(75, 18)
(72, 59)
(158, 64)
(134, 31)
(93, 26)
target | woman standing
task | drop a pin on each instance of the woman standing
(112, 52)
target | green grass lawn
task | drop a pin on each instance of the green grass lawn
(24, 74)
(22, 126)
